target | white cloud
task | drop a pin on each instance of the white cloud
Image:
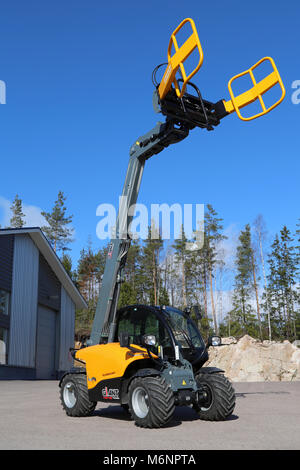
(4, 211)
(33, 216)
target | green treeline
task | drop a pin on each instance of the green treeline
(244, 285)
(253, 292)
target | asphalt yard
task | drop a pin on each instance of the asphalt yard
(266, 416)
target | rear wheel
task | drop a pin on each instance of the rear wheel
(151, 402)
(219, 397)
(74, 396)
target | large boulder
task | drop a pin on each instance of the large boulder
(249, 360)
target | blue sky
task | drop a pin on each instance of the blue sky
(79, 92)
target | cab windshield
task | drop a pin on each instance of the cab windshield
(185, 332)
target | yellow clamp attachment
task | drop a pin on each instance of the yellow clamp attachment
(256, 92)
(176, 60)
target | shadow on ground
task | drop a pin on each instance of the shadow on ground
(182, 414)
(243, 394)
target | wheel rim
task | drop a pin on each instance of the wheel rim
(139, 402)
(70, 395)
(208, 398)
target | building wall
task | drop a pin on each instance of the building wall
(49, 286)
(67, 330)
(6, 264)
(6, 261)
(46, 343)
(23, 319)
(32, 286)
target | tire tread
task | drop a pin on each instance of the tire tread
(83, 406)
(223, 397)
(161, 402)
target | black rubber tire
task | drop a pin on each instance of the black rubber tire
(160, 402)
(221, 397)
(83, 406)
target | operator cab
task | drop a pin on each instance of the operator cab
(170, 326)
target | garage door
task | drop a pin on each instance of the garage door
(46, 342)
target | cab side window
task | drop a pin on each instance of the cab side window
(138, 322)
(153, 326)
(130, 322)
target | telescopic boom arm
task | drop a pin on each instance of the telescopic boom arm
(150, 144)
(183, 113)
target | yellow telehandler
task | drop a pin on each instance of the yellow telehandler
(148, 359)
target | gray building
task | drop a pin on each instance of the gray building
(37, 307)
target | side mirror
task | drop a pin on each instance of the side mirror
(214, 340)
(124, 339)
(148, 340)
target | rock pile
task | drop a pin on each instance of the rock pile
(249, 360)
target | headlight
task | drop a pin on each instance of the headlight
(216, 340)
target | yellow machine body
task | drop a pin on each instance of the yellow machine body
(106, 365)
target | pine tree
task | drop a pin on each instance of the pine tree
(271, 295)
(127, 296)
(57, 231)
(131, 285)
(66, 261)
(281, 295)
(242, 308)
(17, 217)
(255, 286)
(288, 274)
(198, 271)
(170, 277)
(132, 263)
(193, 279)
(181, 257)
(89, 273)
(100, 261)
(149, 268)
(282, 282)
(297, 249)
(213, 227)
(164, 297)
(260, 234)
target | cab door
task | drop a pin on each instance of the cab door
(138, 321)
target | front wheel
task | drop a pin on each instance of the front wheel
(74, 396)
(151, 402)
(219, 397)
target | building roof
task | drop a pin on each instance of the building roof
(52, 259)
